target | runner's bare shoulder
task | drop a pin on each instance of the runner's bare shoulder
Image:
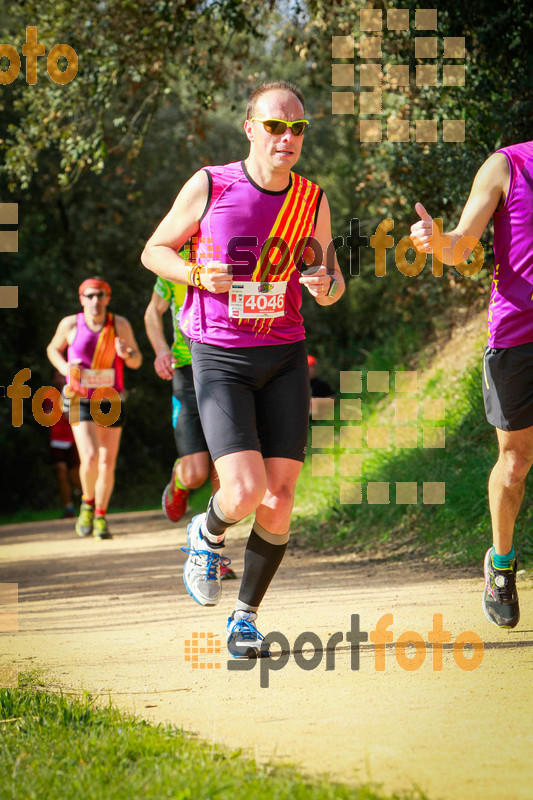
(68, 324)
(121, 322)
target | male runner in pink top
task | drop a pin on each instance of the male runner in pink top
(503, 188)
(249, 223)
(98, 344)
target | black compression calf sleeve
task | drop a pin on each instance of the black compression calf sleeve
(262, 557)
(216, 523)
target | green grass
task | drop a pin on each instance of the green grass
(26, 515)
(52, 746)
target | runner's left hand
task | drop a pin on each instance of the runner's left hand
(318, 282)
(121, 346)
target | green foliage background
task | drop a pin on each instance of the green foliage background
(161, 90)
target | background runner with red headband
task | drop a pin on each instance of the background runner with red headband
(98, 345)
(250, 223)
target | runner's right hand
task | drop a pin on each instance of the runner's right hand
(163, 366)
(216, 277)
(422, 231)
(74, 364)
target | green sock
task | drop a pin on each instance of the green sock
(178, 483)
(503, 562)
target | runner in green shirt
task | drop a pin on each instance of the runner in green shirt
(192, 467)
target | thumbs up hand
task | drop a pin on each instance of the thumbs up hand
(422, 231)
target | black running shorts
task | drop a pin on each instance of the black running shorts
(253, 398)
(86, 415)
(508, 386)
(68, 455)
(188, 432)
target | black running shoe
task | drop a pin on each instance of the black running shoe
(500, 598)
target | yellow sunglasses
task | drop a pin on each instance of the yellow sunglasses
(277, 127)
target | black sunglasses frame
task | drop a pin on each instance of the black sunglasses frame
(100, 295)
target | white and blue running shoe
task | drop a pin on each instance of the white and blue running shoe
(244, 640)
(201, 571)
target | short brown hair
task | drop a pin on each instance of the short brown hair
(267, 87)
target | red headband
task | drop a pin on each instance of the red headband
(94, 283)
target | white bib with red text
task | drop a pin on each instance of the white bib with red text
(257, 299)
(94, 378)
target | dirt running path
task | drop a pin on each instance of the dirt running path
(114, 618)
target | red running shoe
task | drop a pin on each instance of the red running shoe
(174, 500)
(227, 574)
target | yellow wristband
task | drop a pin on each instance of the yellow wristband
(198, 279)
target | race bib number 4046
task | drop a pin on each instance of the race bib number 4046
(257, 300)
(94, 378)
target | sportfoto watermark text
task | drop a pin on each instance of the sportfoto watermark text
(32, 50)
(18, 390)
(380, 637)
(309, 253)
